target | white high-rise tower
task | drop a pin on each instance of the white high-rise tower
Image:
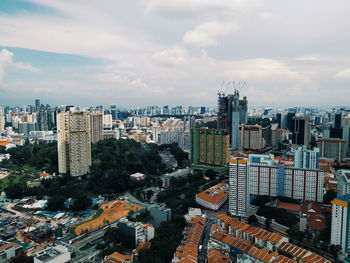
(74, 142)
(239, 186)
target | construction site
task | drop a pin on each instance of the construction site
(109, 212)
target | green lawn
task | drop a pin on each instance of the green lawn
(16, 178)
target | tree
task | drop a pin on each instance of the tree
(2, 149)
(329, 196)
(22, 258)
(281, 216)
(82, 202)
(210, 173)
(335, 249)
(16, 190)
(149, 194)
(261, 200)
(252, 219)
(56, 203)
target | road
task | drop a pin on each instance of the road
(132, 198)
(202, 255)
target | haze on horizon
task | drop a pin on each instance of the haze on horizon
(174, 52)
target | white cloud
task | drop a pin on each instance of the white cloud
(6, 60)
(206, 34)
(309, 58)
(197, 8)
(343, 74)
(172, 56)
(153, 56)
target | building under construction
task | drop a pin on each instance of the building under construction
(225, 109)
(210, 149)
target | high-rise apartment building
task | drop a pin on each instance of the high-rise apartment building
(340, 230)
(251, 137)
(96, 124)
(44, 119)
(307, 159)
(2, 123)
(74, 142)
(239, 191)
(267, 178)
(26, 127)
(346, 133)
(210, 148)
(343, 187)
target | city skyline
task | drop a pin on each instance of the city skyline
(174, 53)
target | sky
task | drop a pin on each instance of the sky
(174, 52)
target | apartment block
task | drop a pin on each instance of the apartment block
(74, 142)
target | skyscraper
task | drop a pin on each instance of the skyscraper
(210, 149)
(2, 121)
(42, 119)
(74, 142)
(114, 112)
(307, 159)
(290, 121)
(340, 234)
(229, 104)
(239, 186)
(250, 137)
(337, 120)
(96, 124)
(235, 121)
(301, 133)
(37, 103)
(343, 187)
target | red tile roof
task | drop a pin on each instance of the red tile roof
(187, 251)
(215, 194)
(217, 256)
(288, 206)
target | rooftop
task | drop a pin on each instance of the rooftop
(215, 194)
(48, 254)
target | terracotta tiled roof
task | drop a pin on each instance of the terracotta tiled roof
(301, 254)
(250, 230)
(142, 245)
(263, 254)
(314, 258)
(9, 245)
(4, 143)
(217, 256)
(215, 194)
(118, 258)
(187, 251)
(288, 206)
(317, 222)
(311, 208)
(283, 259)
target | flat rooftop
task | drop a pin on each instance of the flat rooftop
(49, 254)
